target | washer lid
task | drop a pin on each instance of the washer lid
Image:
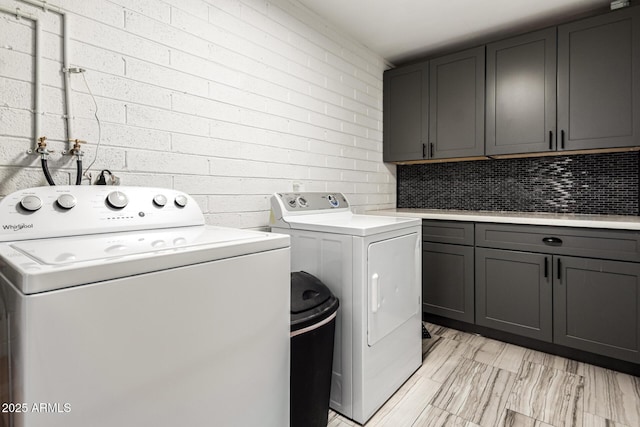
(351, 224)
(41, 265)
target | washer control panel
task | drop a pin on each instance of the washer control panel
(312, 201)
(57, 211)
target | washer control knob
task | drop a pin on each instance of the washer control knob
(302, 202)
(31, 203)
(66, 201)
(333, 201)
(292, 202)
(180, 201)
(117, 200)
(159, 200)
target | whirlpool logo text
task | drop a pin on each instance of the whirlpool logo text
(16, 227)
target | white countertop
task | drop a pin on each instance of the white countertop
(621, 222)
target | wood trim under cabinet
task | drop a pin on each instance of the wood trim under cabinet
(521, 156)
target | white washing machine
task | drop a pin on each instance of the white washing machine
(119, 307)
(373, 265)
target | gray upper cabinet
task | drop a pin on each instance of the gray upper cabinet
(598, 81)
(406, 112)
(456, 105)
(521, 94)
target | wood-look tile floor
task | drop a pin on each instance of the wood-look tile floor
(467, 380)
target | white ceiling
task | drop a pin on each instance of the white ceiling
(401, 30)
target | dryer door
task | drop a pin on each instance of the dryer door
(393, 291)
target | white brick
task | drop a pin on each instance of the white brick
(149, 161)
(368, 122)
(340, 138)
(264, 120)
(16, 94)
(14, 179)
(353, 176)
(166, 77)
(158, 180)
(93, 58)
(121, 88)
(107, 13)
(203, 145)
(233, 203)
(119, 135)
(229, 100)
(17, 35)
(354, 129)
(223, 7)
(239, 220)
(306, 158)
(16, 65)
(288, 171)
(13, 151)
(237, 168)
(164, 34)
(119, 40)
(159, 119)
(153, 9)
(194, 7)
(107, 158)
(15, 122)
(306, 130)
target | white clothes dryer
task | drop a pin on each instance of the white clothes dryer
(120, 307)
(373, 265)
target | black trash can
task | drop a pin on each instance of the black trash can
(313, 322)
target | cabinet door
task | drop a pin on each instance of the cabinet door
(406, 112)
(597, 306)
(447, 281)
(598, 75)
(521, 94)
(456, 105)
(513, 292)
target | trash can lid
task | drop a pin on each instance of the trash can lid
(311, 300)
(307, 292)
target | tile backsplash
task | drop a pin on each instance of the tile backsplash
(582, 184)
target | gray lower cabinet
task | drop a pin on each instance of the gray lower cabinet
(447, 280)
(514, 292)
(597, 306)
(578, 288)
(447, 269)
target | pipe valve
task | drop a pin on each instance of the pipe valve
(76, 150)
(42, 147)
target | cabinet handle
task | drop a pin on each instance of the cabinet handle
(562, 139)
(546, 267)
(431, 150)
(559, 267)
(550, 140)
(424, 151)
(552, 241)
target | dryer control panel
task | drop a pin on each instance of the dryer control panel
(70, 210)
(308, 201)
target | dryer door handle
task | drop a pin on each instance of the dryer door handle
(375, 293)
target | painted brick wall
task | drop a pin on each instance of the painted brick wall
(228, 100)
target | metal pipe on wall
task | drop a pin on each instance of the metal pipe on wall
(46, 6)
(36, 65)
